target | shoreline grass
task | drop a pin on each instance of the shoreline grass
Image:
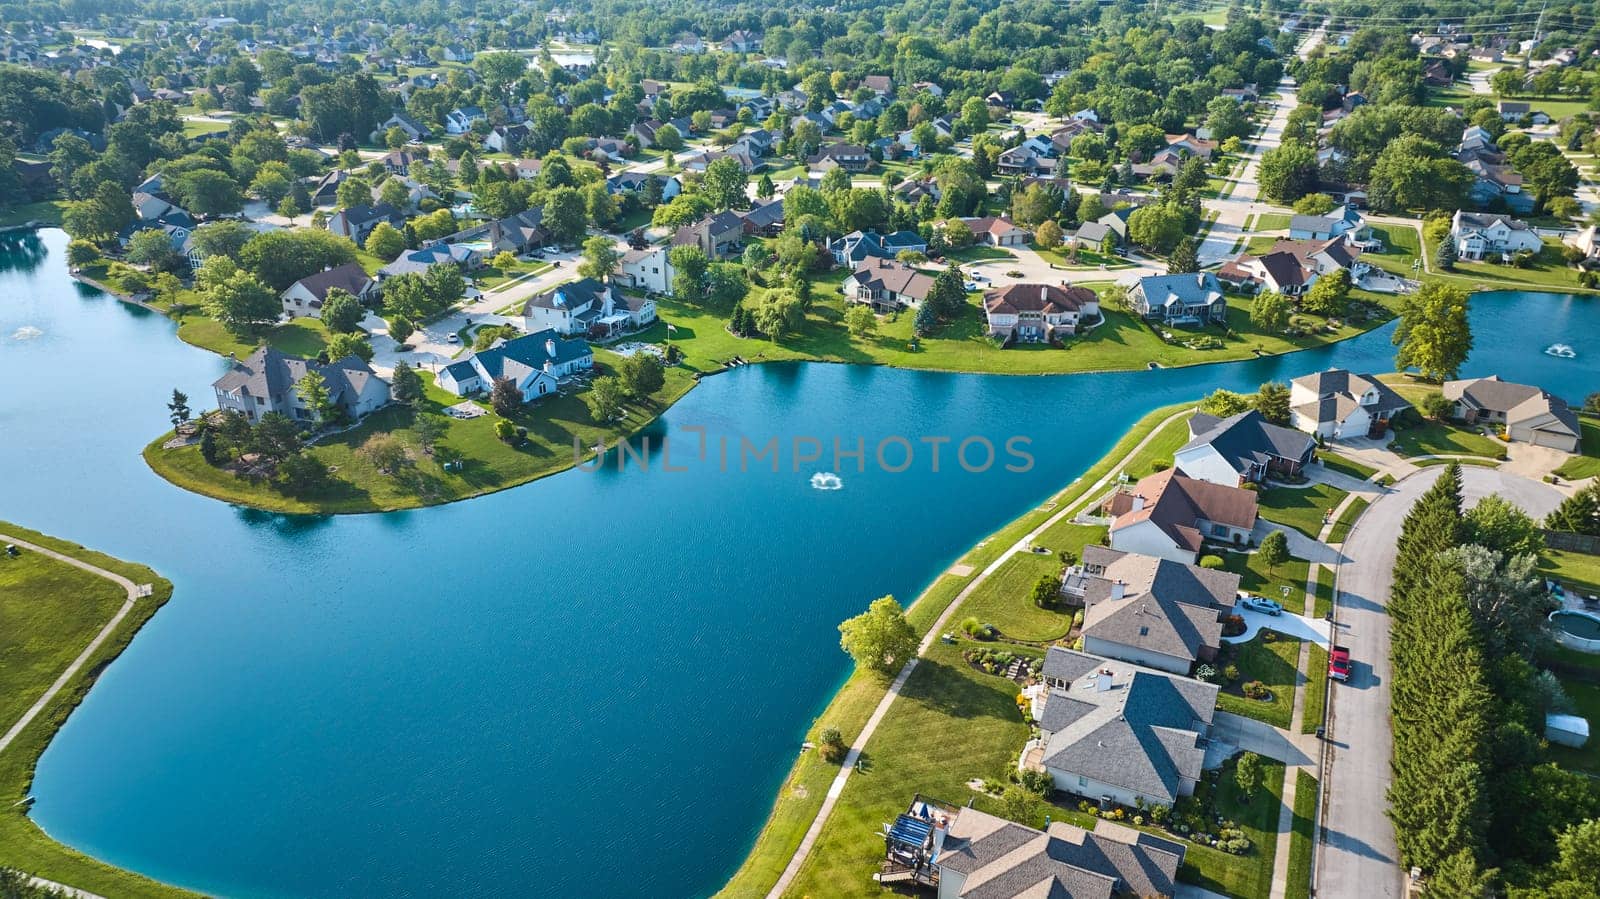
(23, 845)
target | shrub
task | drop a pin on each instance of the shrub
(1161, 465)
(1212, 563)
(1231, 673)
(1234, 626)
(831, 745)
(505, 430)
(1038, 781)
(970, 627)
(1257, 690)
(1435, 406)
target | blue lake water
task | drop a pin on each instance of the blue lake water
(592, 685)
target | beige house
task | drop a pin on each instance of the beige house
(1527, 414)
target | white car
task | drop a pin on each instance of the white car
(453, 338)
(1260, 604)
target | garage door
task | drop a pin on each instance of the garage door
(1555, 440)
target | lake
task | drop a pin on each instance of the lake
(591, 685)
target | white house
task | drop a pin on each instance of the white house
(459, 121)
(1336, 404)
(1169, 516)
(305, 296)
(887, 285)
(587, 306)
(1240, 448)
(1477, 235)
(647, 269)
(536, 363)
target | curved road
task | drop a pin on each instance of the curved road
(1357, 854)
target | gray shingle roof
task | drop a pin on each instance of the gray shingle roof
(1246, 440)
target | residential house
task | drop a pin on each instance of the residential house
(850, 157)
(1069, 131)
(717, 235)
(1114, 732)
(418, 261)
(536, 363)
(325, 192)
(461, 120)
(1241, 448)
(1512, 110)
(305, 296)
(1477, 235)
(589, 307)
(1170, 516)
(637, 182)
(414, 130)
(266, 381)
(858, 246)
(764, 218)
(399, 162)
(1028, 158)
(975, 855)
(1586, 242)
(1034, 313)
(742, 41)
(356, 222)
(506, 138)
(997, 231)
(689, 42)
(1183, 299)
(1160, 613)
(647, 269)
(748, 163)
(1343, 222)
(882, 85)
(1337, 404)
(1526, 413)
(887, 285)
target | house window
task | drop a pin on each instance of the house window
(1219, 530)
(1083, 781)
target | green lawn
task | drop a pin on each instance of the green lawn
(797, 803)
(1254, 577)
(1347, 466)
(1400, 247)
(1121, 342)
(1160, 450)
(980, 252)
(1578, 571)
(1273, 662)
(47, 212)
(1248, 876)
(1316, 690)
(1302, 508)
(1005, 601)
(304, 337)
(1302, 835)
(1086, 259)
(1347, 520)
(1548, 271)
(1322, 598)
(1440, 438)
(1272, 221)
(1588, 464)
(48, 613)
(490, 278)
(553, 424)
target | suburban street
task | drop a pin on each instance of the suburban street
(1357, 855)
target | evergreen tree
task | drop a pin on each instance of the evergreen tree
(1185, 257)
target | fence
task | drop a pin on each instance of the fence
(1565, 541)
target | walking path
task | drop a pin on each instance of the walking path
(1022, 544)
(134, 591)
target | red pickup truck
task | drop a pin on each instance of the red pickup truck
(1339, 663)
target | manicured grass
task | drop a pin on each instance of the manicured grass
(1086, 259)
(1272, 221)
(1121, 342)
(554, 426)
(950, 725)
(1347, 520)
(1006, 599)
(1548, 271)
(1302, 508)
(1316, 690)
(1322, 597)
(1160, 450)
(304, 337)
(1254, 577)
(1400, 247)
(794, 810)
(1576, 570)
(48, 613)
(1248, 876)
(1302, 834)
(1347, 466)
(980, 253)
(1275, 663)
(1440, 438)
(47, 212)
(489, 277)
(1588, 464)
(1585, 698)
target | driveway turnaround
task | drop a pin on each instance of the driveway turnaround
(1357, 856)
(1300, 627)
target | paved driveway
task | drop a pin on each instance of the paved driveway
(1231, 733)
(1358, 857)
(1300, 627)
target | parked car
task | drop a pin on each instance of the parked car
(1339, 663)
(1260, 604)
(452, 338)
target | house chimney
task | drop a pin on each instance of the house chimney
(550, 347)
(1138, 501)
(548, 365)
(1118, 589)
(1102, 680)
